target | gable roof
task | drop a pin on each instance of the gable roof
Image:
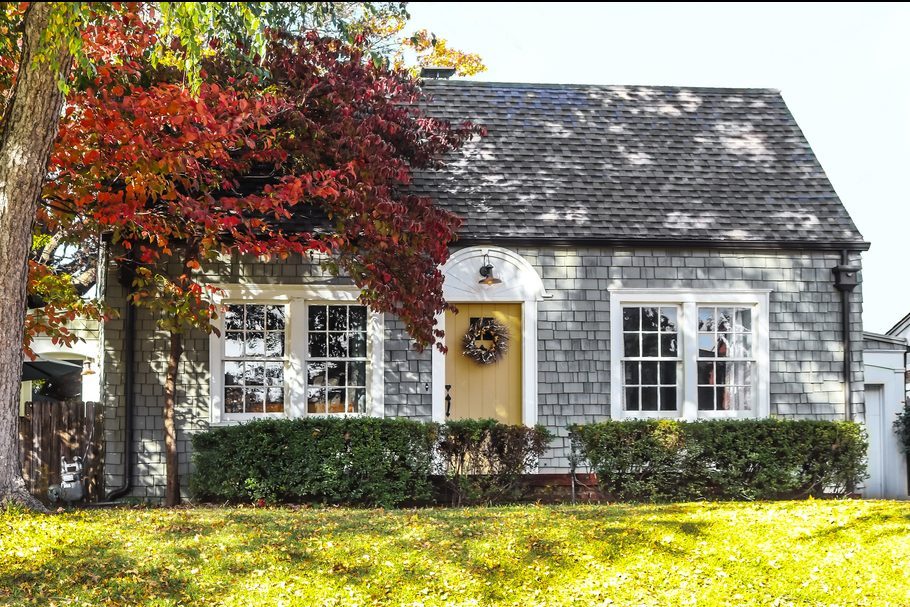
(626, 164)
(901, 326)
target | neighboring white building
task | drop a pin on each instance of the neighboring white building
(885, 359)
(902, 330)
(86, 351)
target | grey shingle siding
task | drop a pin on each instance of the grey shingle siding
(657, 187)
(573, 349)
(588, 163)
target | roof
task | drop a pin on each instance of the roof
(618, 164)
(902, 325)
(877, 341)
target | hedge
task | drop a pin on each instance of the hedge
(482, 461)
(663, 460)
(369, 461)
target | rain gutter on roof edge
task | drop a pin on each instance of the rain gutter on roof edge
(755, 245)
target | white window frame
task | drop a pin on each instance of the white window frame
(679, 360)
(223, 359)
(368, 359)
(296, 297)
(688, 301)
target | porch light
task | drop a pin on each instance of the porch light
(486, 270)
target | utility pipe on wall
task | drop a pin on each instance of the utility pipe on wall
(129, 388)
(846, 279)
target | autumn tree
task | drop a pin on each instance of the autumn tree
(41, 44)
(328, 128)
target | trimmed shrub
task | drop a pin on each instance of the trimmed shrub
(664, 460)
(482, 460)
(902, 428)
(369, 461)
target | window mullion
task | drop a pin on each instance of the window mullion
(296, 361)
(689, 330)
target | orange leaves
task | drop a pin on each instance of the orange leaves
(327, 142)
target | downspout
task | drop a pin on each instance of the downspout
(129, 387)
(846, 279)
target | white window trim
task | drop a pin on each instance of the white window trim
(680, 368)
(296, 297)
(688, 301)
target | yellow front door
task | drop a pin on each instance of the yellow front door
(484, 391)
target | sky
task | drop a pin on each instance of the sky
(843, 70)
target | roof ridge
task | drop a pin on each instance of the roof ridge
(575, 85)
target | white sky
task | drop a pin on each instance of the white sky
(844, 71)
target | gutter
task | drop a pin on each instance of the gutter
(846, 279)
(129, 388)
(743, 245)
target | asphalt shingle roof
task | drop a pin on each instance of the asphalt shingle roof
(631, 163)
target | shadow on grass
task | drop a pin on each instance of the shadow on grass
(235, 548)
(205, 556)
(893, 523)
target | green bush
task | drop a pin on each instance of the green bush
(664, 460)
(376, 462)
(483, 460)
(902, 427)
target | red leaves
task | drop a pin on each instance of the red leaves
(185, 179)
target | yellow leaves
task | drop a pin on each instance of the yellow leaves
(431, 51)
(689, 554)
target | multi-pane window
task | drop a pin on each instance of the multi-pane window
(725, 358)
(336, 358)
(254, 358)
(650, 359)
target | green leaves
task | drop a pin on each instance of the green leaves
(483, 460)
(377, 462)
(370, 461)
(661, 460)
(902, 427)
(202, 27)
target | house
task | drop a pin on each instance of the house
(901, 330)
(85, 352)
(885, 361)
(664, 252)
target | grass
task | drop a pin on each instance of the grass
(780, 553)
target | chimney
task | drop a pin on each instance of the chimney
(436, 73)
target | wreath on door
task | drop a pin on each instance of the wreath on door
(486, 329)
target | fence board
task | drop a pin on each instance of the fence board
(49, 430)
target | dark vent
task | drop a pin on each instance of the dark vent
(437, 73)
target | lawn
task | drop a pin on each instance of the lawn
(780, 553)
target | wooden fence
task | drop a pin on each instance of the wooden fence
(51, 430)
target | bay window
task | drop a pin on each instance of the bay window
(689, 353)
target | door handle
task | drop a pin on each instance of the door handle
(448, 400)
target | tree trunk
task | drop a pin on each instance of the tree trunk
(172, 493)
(29, 129)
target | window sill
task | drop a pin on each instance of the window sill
(727, 415)
(651, 415)
(233, 421)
